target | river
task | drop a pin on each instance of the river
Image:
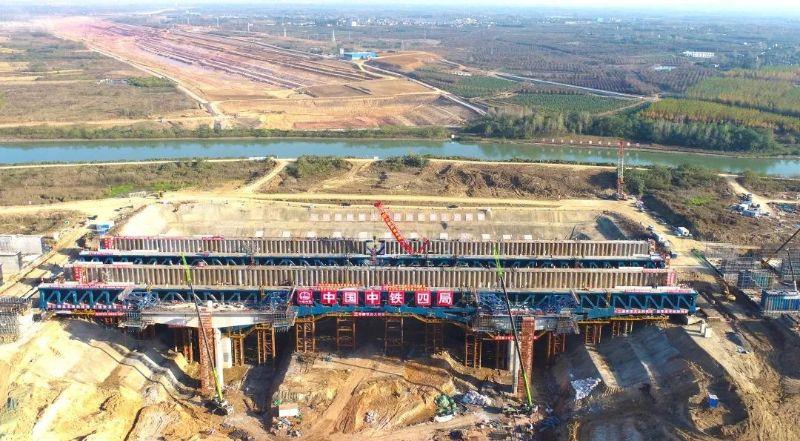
(83, 151)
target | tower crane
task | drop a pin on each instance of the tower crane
(621, 171)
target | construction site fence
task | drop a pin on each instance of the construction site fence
(372, 276)
(361, 246)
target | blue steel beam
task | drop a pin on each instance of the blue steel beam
(198, 259)
(593, 302)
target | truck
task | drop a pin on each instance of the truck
(682, 232)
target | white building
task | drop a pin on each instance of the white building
(697, 54)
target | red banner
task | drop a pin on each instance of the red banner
(305, 297)
(327, 297)
(444, 298)
(423, 298)
(349, 297)
(396, 298)
(372, 297)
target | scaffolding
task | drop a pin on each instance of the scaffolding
(393, 336)
(556, 344)
(265, 343)
(434, 337)
(345, 333)
(592, 332)
(473, 349)
(305, 335)
(237, 348)
(11, 310)
(621, 328)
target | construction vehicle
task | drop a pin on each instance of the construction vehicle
(387, 219)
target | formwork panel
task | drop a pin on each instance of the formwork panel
(366, 276)
(345, 246)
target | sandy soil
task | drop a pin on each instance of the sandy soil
(335, 394)
(444, 178)
(406, 61)
(78, 380)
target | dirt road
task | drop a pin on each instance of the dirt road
(260, 182)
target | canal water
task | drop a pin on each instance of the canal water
(84, 151)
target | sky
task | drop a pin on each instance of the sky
(768, 7)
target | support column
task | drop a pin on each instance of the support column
(345, 333)
(393, 336)
(473, 349)
(434, 337)
(513, 367)
(526, 339)
(219, 360)
(206, 340)
(305, 335)
(265, 343)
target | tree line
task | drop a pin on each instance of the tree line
(721, 136)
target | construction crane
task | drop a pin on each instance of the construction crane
(502, 276)
(765, 259)
(219, 404)
(387, 219)
(621, 171)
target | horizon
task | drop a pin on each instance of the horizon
(770, 8)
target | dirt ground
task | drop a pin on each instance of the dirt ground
(420, 176)
(365, 395)
(406, 61)
(474, 180)
(78, 380)
(253, 81)
(40, 223)
(277, 219)
(713, 220)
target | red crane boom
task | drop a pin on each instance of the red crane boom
(387, 219)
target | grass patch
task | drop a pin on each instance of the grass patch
(24, 186)
(150, 82)
(397, 163)
(701, 200)
(69, 84)
(696, 198)
(316, 167)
